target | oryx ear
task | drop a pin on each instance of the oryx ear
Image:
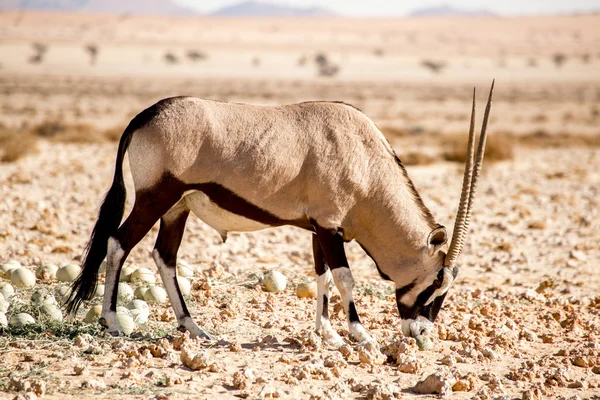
(436, 239)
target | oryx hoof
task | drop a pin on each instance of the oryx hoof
(196, 332)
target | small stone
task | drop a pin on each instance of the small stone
(274, 282)
(193, 361)
(307, 290)
(424, 342)
(440, 382)
(94, 385)
(80, 370)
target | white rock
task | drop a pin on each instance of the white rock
(46, 272)
(22, 277)
(68, 273)
(275, 282)
(155, 294)
(184, 270)
(93, 314)
(184, 285)
(52, 312)
(3, 320)
(143, 275)
(125, 293)
(21, 319)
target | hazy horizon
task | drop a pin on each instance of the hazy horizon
(376, 8)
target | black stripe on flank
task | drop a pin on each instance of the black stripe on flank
(325, 313)
(230, 201)
(352, 313)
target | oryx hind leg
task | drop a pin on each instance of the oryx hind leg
(148, 207)
(324, 283)
(332, 245)
(172, 226)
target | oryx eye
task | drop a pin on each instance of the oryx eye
(437, 283)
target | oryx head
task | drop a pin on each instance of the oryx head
(420, 301)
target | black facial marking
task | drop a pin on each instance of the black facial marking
(352, 313)
(325, 313)
(429, 311)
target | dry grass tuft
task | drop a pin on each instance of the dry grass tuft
(15, 144)
(499, 147)
(391, 132)
(417, 158)
(543, 139)
(63, 132)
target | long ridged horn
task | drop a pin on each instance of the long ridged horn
(463, 216)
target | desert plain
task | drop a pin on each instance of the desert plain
(522, 319)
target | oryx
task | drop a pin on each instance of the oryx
(321, 166)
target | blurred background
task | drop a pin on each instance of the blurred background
(74, 72)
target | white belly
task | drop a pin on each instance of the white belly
(219, 219)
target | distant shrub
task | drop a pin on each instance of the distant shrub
(379, 52)
(195, 55)
(498, 148)
(325, 67)
(40, 50)
(256, 61)
(170, 58)
(92, 50)
(559, 59)
(434, 66)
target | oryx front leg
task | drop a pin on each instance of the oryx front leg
(332, 245)
(172, 226)
(324, 284)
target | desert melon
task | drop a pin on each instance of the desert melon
(275, 282)
(68, 273)
(155, 294)
(21, 319)
(22, 277)
(46, 272)
(143, 275)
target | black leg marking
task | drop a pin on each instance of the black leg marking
(325, 307)
(167, 244)
(352, 313)
(332, 246)
(320, 265)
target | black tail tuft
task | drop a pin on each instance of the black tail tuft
(109, 219)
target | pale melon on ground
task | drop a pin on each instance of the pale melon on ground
(143, 275)
(52, 312)
(6, 290)
(125, 293)
(22, 277)
(40, 297)
(155, 294)
(46, 272)
(4, 304)
(126, 272)
(126, 322)
(4, 268)
(3, 320)
(184, 270)
(93, 314)
(184, 285)
(68, 273)
(139, 310)
(21, 319)
(140, 292)
(99, 290)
